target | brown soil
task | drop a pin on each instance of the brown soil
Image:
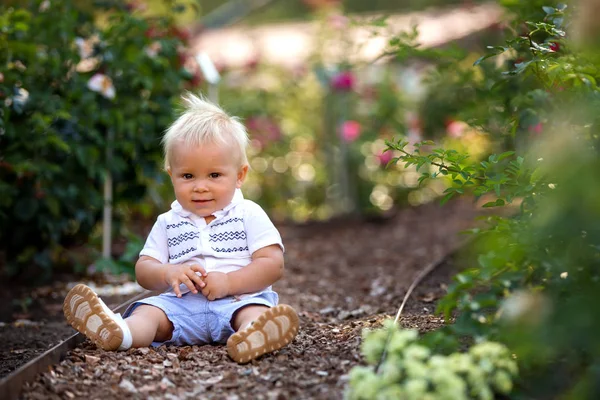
(341, 277)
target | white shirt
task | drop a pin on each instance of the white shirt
(225, 244)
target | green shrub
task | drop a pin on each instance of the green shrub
(83, 92)
(535, 273)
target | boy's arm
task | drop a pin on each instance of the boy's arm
(265, 269)
(150, 273)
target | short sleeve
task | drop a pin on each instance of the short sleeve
(260, 231)
(156, 244)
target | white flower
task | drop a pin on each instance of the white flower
(44, 6)
(438, 361)
(448, 385)
(415, 369)
(400, 339)
(526, 307)
(102, 84)
(85, 47)
(417, 352)
(21, 97)
(415, 388)
(153, 49)
(460, 362)
(502, 382)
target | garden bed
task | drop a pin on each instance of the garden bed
(342, 277)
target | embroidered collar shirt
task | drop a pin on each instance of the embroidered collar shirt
(225, 244)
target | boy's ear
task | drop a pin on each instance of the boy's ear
(241, 176)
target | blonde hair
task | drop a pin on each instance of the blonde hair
(204, 122)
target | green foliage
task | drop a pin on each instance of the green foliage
(534, 272)
(411, 371)
(125, 263)
(79, 98)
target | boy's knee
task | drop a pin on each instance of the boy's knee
(164, 327)
(246, 314)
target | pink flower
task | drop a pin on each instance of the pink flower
(554, 46)
(385, 157)
(317, 4)
(350, 131)
(264, 129)
(456, 129)
(537, 128)
(343, 81)
(338, 21)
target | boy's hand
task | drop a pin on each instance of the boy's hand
(217, 285)
(177, 274)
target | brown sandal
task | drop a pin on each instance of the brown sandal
(90, 316)
(272, 330)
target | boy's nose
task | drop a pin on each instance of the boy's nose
(200, 187)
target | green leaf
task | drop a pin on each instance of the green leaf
(497, 203)
(446, 198)
(505, 155)
(548, 10)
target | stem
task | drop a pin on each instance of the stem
(382, 55)
(108, 194)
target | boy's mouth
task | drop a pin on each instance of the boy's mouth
(201, 201)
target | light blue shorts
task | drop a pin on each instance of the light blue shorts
(197, 320)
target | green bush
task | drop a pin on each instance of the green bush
(83, 92)
(535, 272)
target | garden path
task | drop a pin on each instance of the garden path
(341, 276)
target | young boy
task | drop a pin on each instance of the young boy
(216, 253)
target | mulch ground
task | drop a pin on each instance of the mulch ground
(342, 277)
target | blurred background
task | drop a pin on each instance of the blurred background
(89, 87)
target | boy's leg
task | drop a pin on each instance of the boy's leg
(244, 316)
(148, 324)
(261, 330)
(88, 314)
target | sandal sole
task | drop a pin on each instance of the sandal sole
(272, 330)
(85, 313)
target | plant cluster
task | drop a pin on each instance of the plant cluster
(533, 269)
(85, 91)
(411, 371)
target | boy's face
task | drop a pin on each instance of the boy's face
(205, 177)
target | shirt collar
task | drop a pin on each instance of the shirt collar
(238, 197)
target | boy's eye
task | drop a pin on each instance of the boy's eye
(215, 175)
(187, 176)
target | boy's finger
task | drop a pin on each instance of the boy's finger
(199, 268)
(197, 280)
(188, 282)
(176, 290)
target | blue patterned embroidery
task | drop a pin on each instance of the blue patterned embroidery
(183, 238)
(236, 219)
(219, 237)
(172, 226)
(229, 250)
(183, 253)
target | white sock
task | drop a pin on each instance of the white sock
(127, 339)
